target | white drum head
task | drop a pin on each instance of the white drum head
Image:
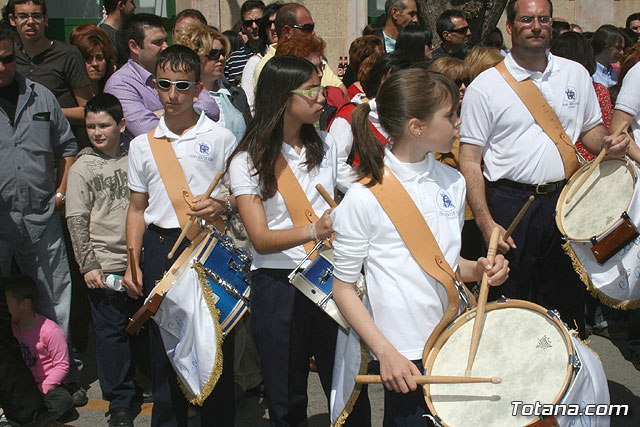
(599, 202)
(523, 347)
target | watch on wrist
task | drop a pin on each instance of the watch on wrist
(229, 206)
(61, 196)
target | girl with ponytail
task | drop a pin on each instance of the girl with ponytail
(418, 110)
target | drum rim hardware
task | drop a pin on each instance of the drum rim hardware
(226, 286)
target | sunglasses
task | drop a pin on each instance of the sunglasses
(181, 85)
(460, 82)
(215, 54)
(461, 30)
(8, 59)
(250, 22)
(311, 93)
(306, 28)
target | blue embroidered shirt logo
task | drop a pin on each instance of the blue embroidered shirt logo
(445, 205)
(203, 148)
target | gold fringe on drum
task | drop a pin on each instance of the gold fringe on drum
(364, 358)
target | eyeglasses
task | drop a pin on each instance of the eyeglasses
(306, 28)
(461, 30)
(465, 81)
(8, 59)
(215, 54)
(542, 20)
(311, 93)
(320, 67)
(181, 85)
(250, 22)
(270, 22)
(25, 16)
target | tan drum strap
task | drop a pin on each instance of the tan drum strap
(298, 205)
(545, 117)
(416, 234)
(175, 183)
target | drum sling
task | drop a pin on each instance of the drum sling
(546, 118)
(298, 205)
(175, 182)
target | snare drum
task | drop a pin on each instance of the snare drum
(315, 281)
(600, 224)
(532, 352)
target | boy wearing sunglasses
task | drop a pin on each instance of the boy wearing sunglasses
(201, 148)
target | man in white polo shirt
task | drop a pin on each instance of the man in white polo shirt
(521, 160)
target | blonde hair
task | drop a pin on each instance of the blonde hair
(482, 58)
(452, 68)
(200, 38)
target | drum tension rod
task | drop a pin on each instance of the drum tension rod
(226, 286)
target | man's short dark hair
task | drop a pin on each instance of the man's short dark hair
(632, 17)
(444, 22)
(105, 103)
(6, 32)
(179, 58)
(287, 16)
(250, 5)
(190, 13)
(511, 10)
(137, 24)
(10, 7)
(111, 5)
(21, 287)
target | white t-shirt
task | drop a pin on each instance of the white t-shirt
(243, 181)
(246, 83)
(202, 152)
(629, 99)
(341, 131)
(515, 146)
(406, 303)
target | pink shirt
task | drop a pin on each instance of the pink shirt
(44, 350)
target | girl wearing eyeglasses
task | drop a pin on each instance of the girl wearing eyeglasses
(213, 48)
(288, 328)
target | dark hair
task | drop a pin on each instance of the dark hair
(412, 40)
(179, 58)
(361, 48)
(372, 29)
(402, 97)
(264, 23)
(632, 17)
(10, 7)
(287, 16)
(630, 37)
(105, 103)
(235, 40)
(605, 37)
(21, 287)
(95, 37)
(111, 5)
(190, 13)
(487, 38)
(135, 27)
(558, 27)
(576, 47)
(264, 135)
(444, 22)
(250, 5)
(6, 32)
(511, 10)
(388, 63)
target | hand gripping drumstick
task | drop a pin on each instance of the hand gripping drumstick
(518, 218)
(482, 301)
(430, 379)
(326, 196)
(187, 227)
(594, 165)
(132, 265)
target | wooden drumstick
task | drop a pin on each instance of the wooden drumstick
(430, 379)
(482, 301)
(326, 196)
(192, 220)
(133, 265)
(518, 218)
(594, 165)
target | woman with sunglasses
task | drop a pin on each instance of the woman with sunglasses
(212, 48)
(288, 328)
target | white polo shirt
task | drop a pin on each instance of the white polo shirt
(202, 152)
(515, 146)
(406, 302)
(341, 131)
(629, 99)
(244, 181)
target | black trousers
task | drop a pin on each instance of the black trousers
(288, 329)
(170, 406)
(541, 272)
(19, 395)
